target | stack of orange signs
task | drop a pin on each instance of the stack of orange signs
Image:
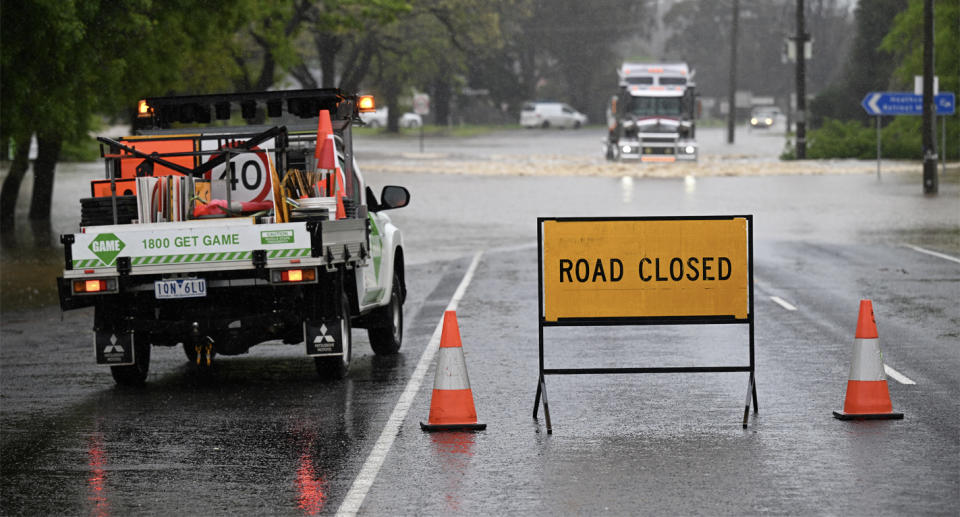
(170, 198)
(279, 206)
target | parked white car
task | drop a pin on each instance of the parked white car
(550, 114)
(378, 118)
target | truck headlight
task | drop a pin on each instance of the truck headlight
(689, 149)
(626, 148)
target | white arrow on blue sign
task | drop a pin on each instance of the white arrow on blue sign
(906, 103)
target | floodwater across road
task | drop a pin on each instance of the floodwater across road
(264, 436)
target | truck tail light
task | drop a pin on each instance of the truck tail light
(95, 286)
(294, 275)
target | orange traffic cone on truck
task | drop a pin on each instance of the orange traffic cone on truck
(868, 397)
(451, 407)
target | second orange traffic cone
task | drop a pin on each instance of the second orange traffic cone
(451, 407)
(867, 394)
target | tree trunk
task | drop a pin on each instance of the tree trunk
(48, 152)
(440, 104)
(328, 46)
(328, 62)
(11, 185)
(302, 74)
(393, 115)
(361, 56)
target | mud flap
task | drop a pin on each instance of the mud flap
(323, 337)
(113, 349)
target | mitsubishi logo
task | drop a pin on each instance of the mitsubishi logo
(323, 337)
(113, 347)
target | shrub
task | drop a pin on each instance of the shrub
(901, 139)
(836, 139)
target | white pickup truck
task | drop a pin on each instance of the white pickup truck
(175, 250)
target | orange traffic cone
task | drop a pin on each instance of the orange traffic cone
(325, 151)
(867, 393)
(451, 407)
(338, 193)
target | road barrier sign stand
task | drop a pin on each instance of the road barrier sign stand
(554, 313)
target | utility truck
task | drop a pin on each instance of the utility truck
(653, 116)
(220, 238)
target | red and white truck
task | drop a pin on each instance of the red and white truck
(653, 116)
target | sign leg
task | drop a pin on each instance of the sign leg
(536, 399)
(751, 390)
(542, 390)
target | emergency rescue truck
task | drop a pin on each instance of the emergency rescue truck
(653, 117)
(220, 238)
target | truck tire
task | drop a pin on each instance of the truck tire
(134, 374)
(386, 330)
(338, 367)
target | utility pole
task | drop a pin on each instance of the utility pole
(732, 95)
(929, 151)
(800, 43)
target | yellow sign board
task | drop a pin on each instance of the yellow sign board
(645, 268)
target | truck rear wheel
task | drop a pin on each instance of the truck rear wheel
(338, 367)
(386, 332)
(134, 374)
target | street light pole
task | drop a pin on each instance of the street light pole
(800, 43)
(732, 94)
(929, 151)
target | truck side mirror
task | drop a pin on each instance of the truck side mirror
(393, 196)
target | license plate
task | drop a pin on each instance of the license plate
(182, 288)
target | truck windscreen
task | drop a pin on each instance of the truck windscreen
(652, 106)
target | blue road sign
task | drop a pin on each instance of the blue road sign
(906, 103)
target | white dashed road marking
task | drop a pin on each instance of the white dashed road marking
(783, 303)
(371, 467)
(934, 253)
(897, 376)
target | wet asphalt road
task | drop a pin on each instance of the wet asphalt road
(265, 436)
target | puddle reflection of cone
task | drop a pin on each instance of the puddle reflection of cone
(867, 397)
(451, 406)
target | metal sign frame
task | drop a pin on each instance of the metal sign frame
(645, 320)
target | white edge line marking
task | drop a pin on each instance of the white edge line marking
(783, 303)
(897, 376)
(934, 253)
(371, 467)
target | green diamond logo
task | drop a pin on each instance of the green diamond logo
(106, 247)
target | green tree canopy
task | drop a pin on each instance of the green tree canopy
(866, 68)
(64, 60)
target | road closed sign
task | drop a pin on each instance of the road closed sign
(695, 270)
(636, 268)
